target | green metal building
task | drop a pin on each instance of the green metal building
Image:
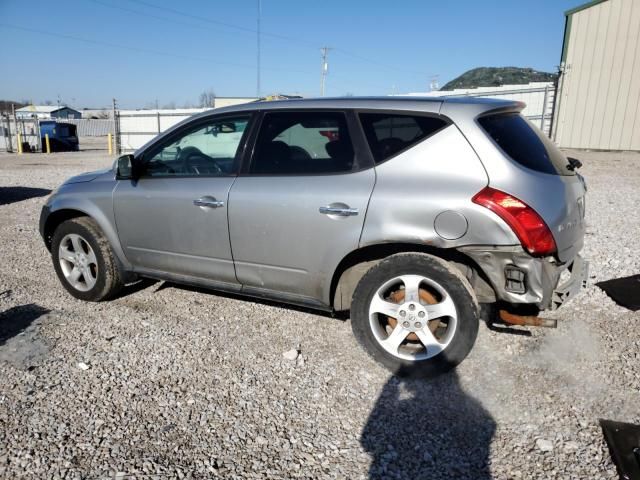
(598, 98)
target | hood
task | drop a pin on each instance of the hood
(87, 177)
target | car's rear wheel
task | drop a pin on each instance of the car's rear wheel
(84, 261)
(415, 314)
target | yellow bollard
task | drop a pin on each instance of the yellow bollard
(110, 146)
(19, 144)
(46, 139)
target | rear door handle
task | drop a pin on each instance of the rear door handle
(209, 202)
(339, 211)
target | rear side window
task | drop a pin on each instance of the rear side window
(389, 134)
(525, 144)
(299, 143)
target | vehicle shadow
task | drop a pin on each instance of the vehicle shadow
(135, 287)
(17, 319)
(17, 194)
(625, 291)
(337, 315)
(431, 429)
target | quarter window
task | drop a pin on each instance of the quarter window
(389, 134)
(208, 150)
(301, 143)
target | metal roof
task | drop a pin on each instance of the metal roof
(583, 7)
(43, 108)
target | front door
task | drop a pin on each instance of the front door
(300, 207)
(174, 218)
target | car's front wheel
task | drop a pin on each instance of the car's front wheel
(415, 314)
(84, 261)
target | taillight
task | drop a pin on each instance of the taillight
(525, 222)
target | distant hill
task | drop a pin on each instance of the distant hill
(496, 76)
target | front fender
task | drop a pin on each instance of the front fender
(95, 201)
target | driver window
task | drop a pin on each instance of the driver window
(209, 150)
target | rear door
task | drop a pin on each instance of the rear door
(298, 208)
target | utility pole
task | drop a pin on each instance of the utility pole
(116, 128)
(434, 84)
(258, 40)
(324, 69)
(15, 123)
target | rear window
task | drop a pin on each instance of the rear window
(389, 134)
(525, 144)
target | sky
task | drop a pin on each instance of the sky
(86, 52)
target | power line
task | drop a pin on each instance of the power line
(147, 51)
(115, 45)
(386, 67)
(297, 41)
(150, 15)
(141, 50)
(224, 24)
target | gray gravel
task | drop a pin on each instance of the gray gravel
(172, 382)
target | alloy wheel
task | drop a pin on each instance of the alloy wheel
(78, 262)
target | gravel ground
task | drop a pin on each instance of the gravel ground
(168, 381)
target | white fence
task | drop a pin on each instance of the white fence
(92, 127)
(538, 96)
(134, 128)
(137, 127)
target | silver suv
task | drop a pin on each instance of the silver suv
(411, 213)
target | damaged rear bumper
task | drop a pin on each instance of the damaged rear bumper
(577, 280)
(517, 277)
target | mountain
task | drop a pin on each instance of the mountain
(496, 76)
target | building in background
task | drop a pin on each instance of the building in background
(47, 112)
(598, 99)
(219, 102)
(136, 127)
(537, 95)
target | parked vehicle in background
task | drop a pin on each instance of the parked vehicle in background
(411, 213)
(63, 137)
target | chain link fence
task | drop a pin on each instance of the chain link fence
(27, 132)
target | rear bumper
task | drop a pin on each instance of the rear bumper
(541, 281)
(579, 275)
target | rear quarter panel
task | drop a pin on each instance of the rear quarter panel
(556, 198)
(441, 173)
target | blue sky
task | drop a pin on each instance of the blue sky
(140, 51)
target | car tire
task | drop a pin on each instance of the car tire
(84, 261)
(430, 320)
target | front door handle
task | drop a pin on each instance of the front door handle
(208, 202)
(339, 211)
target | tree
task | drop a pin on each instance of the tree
(207, 98)
(48, 102)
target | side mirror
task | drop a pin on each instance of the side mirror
(125, 167)
(573, 163)
(228, 127)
